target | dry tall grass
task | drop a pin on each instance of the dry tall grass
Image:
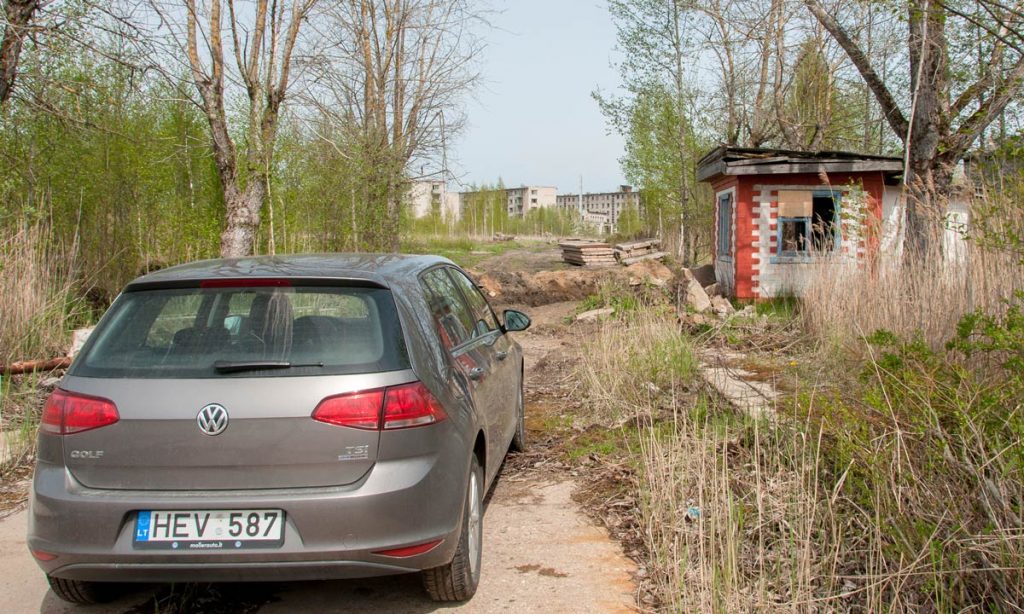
(842, 304)
(729, 526)
(896, 494)
(37, 293)
(630, 361)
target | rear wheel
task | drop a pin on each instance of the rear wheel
(457, 581)
(81, 592)
(519, 439)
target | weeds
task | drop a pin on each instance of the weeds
(21, 401)
(463, 250)
(895, 486)
(39, 299)
(630, 363)
(842, 304)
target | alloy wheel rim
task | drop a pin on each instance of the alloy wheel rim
(522, 415)
(474, 524)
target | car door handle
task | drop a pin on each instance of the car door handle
(501, 355)
(476, 374)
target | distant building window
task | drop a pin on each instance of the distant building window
(533, 201)
(725, 225)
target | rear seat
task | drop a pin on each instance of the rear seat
(335, 340)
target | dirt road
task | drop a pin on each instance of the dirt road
(541, 554)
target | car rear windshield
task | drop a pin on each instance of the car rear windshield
(247, 332)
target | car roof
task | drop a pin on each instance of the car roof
(385, 270)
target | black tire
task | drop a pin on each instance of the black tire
(80, 592)
(519, 439)
(457, 581)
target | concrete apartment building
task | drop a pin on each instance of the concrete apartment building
(601, 208)
(521, 200)
(428, 196)
(524, 198)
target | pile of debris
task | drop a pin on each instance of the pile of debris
(632, 252)
(700, 298)
(588, 253)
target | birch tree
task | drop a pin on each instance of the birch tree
(717, 60)
(396, 75)
(261, 42)
(654, 38)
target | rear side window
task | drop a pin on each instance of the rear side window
(483, 318)
(452, 316)
(178, 333)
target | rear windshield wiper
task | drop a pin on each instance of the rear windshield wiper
(235, 366)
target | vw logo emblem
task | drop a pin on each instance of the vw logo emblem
(212, 419)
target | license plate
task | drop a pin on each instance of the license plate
(209, 529)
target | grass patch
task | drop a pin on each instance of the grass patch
(892, 483)
(21, 402)
(781, 308)
(463, 251)
(629, 363)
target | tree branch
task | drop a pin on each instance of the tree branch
(1005, 92)
(890, 109)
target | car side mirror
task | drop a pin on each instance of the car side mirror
(516, 320)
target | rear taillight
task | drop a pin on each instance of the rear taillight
(360, 410)
(66, 413)
(411, 405)
(397, 407)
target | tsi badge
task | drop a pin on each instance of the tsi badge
(355, 453)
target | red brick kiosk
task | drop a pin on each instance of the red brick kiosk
(782, 215)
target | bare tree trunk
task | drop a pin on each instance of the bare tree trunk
(264, 61)
(242, 218)
(685, 217)
(391, 222)
(18, 14)
(927, 181)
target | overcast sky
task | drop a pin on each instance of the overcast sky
(533, 121)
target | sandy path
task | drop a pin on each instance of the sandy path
(541, 554)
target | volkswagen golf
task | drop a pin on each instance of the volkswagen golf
(280, 418)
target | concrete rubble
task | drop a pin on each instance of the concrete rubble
(694, 296)
(595, 314)
(738, 386)
(722, 306)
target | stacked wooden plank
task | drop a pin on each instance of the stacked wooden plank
(632, 252)
(587, 253)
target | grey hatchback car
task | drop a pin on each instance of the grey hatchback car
(280, 418)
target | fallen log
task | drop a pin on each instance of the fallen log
(33, 366)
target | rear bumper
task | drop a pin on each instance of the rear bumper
(278, 571)
(329, 532)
